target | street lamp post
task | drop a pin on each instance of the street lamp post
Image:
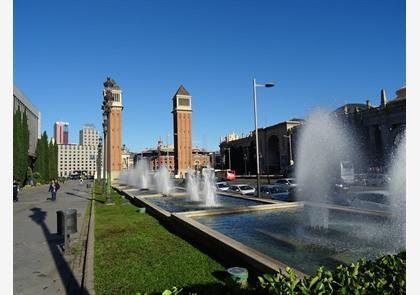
(230, 163)
(290, 148)
(254, 86)
(105, 116)
(104, 157)
(245, 158)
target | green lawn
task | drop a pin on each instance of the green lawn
(134, 253)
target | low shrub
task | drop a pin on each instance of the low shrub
(386, 275)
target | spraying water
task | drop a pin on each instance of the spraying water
(323, 143)
(163, 181)
(209, 187)
(193, 186)
(202, 188)
(397, 189)
(137, 176)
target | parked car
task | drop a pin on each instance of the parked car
(372, 200)
(242, 189)
(274, 192)
(222, 186)
(376, 179)
(286, 182)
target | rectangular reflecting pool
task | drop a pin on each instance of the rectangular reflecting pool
(185, 204)
(287, 236)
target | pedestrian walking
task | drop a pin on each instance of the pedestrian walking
(52, 189)
(15, 190)
(81, 181)
(57, 187)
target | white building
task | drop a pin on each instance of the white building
(81, 157)
(89, 135)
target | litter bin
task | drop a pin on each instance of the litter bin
(67, 218)
(70, 216)
(60, 222)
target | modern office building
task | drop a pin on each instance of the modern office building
(20, 101)
(89, 135)
(61, 132)
(82, 157)
(77, 158)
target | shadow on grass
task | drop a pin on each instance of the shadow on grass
(53, 241)
(84, 197)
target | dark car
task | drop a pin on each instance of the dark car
(274, 192)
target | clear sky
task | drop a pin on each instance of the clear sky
(319, 53)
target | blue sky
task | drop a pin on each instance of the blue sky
(319, 53)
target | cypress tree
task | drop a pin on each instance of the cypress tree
(19, 155)
(39, 162)
(25, 147)
(15, 143)
(46, 161)
(56, 159)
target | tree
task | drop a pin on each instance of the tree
(16, 143)
(25, 147)
(20, 145)
(42, 161)
(46, 165)
(52, 157)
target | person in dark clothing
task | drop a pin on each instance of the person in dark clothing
(15, 190)
(53, 190)
(57, 187)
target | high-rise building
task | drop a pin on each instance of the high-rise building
(113, 107)
(182, 113)
(89, 135)
(61, 132)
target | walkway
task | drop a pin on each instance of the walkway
(39, 264)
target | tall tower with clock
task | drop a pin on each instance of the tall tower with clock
(182, 113)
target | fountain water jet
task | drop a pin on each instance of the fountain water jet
(397, 189)
(193, 186)
(202, 188)
(163, 182)
(323, 143)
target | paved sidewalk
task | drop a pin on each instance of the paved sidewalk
(39, 264)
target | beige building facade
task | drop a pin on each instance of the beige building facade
(74, 158)
(82, 157)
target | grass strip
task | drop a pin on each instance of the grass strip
(134, 253)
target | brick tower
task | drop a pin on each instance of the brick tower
(113, 109)
(182, 112)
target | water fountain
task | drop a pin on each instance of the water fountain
(139, 176)
(201, 187)
(323, 143)
(193, 186)
(163, 181)
(303, 236)
(397, 189)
